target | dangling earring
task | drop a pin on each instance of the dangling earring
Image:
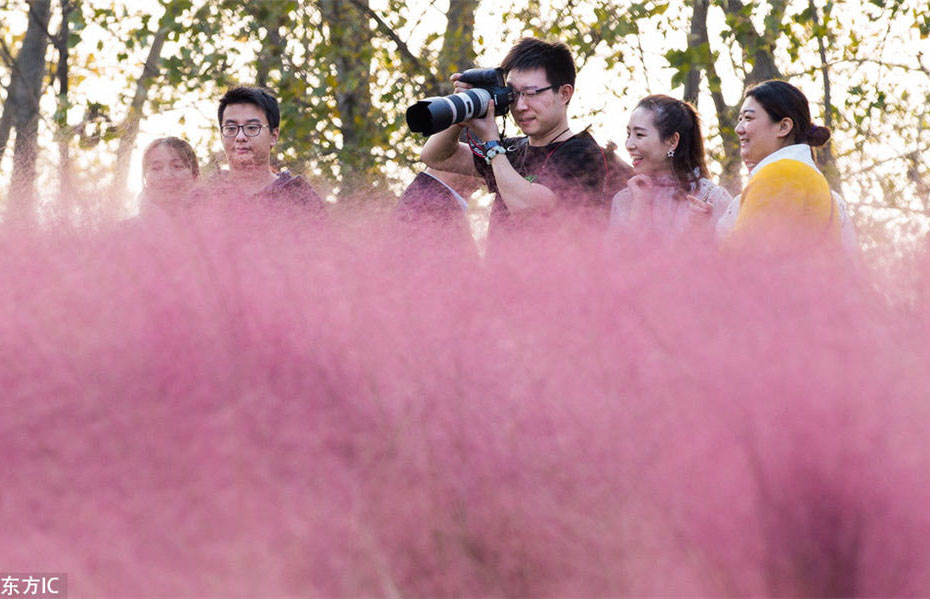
(670, 153)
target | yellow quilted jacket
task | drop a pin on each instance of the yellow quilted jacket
(786, 194)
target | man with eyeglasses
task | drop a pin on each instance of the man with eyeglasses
(250, 121)
(550, 167)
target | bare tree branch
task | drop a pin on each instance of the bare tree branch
(888, 65)
(129, 129)
(405, 53)
(875, 164)
(642, 58)
(6, 55)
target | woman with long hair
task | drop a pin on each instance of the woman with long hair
(670, 191)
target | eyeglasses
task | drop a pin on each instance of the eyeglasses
(250, 129)
(531, 93)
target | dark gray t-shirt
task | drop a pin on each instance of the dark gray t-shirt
(574, 169)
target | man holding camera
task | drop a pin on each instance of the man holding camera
(548, 169)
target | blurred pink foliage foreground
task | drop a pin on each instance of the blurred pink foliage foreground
(242, 405)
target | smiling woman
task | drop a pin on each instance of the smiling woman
(670, 192)
(786, 191)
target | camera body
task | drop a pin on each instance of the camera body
(491, 81)
(432, 115)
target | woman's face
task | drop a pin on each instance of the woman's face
(166, 172)
(758, 134)
(649, 153)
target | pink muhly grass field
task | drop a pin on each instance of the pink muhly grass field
(241, 405)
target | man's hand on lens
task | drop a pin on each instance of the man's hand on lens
(485, 127)
(459, 86)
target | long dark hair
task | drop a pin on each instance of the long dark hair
(781, 100)
(671, 116)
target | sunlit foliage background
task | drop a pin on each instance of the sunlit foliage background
(100, 78)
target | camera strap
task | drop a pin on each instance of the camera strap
(525, 145)
(475, 145)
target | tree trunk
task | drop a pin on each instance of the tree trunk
(696, 37)
(65, 186)
(826, 158)
(129, 129)
(458, 42)
(30, 69)
(351, 50)
(726, 115)
(6, 120)
(758, 48)
(272, 51)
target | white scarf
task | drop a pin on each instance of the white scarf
(799, 152)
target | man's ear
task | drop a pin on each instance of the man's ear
(274, 135)
(566, 91)
(785, 127)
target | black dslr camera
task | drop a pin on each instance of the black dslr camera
(436, 114)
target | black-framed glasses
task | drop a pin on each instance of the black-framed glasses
(250, 129)
(531, 93)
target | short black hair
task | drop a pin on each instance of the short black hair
(252, 95)
(781, 100)
(532, 53)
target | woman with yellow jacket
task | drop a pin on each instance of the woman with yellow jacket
(786, 194)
